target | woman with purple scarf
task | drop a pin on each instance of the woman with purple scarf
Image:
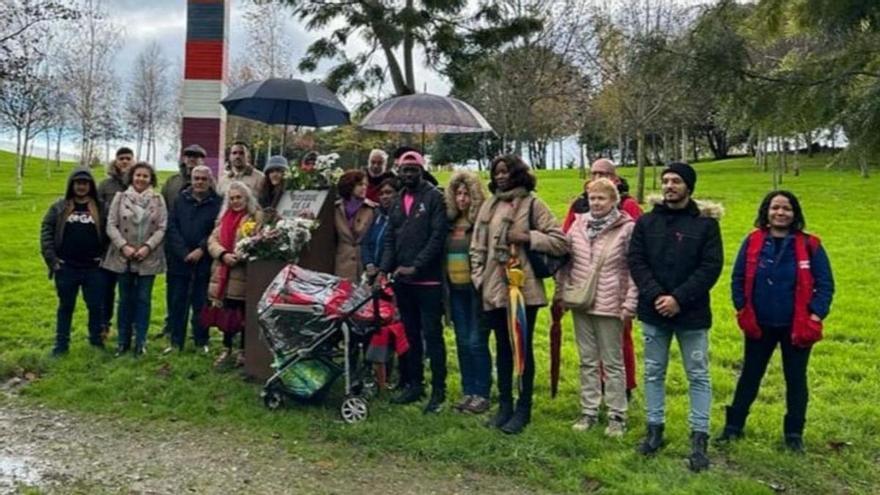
(354, 216)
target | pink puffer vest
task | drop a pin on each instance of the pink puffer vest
(615, 289)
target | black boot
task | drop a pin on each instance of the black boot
(409, 394)
(733, 427)
(699, 459)
(435, 403)
(502, 416)
(729, 434)
(653, 440)
(520, 418)
(794, 442)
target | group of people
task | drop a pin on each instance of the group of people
(472, 254)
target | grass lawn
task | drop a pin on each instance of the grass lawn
(843, 429)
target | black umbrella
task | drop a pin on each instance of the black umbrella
(287, 102)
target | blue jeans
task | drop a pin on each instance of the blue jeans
(471, 341)
(187, 294)
(68, 282)
(694, 345)
(135, 302)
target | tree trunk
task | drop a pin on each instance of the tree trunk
(796, 166)
(58, 137)
(694, 148)
(683, 143)
(640, 163)
(863, 166)
(408, 44)
(19, 164)
(581, 162)
(620, 149)
(48, 153)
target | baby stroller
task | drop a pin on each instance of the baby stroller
(318, 327)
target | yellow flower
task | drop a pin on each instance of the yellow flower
(247, 228)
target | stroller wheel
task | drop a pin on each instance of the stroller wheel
(354, 410)
(273, 398)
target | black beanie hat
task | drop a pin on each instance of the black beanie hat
(683, 170)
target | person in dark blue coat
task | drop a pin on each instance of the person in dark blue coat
(782, 288)
(189, 265)
(372, 245)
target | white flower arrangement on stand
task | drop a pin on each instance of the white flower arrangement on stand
(283, 240)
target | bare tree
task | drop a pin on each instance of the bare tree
(148, 104)
(628, 48)
(26, 93)
(86, 68)
(18, 20)
(269, 46)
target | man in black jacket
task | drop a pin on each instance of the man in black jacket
(72, 242)
(675, 258)
(189, 264)
(413, 253)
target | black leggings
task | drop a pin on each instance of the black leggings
(497, 320)
(794, 367)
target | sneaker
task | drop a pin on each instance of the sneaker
(616, 427)
(239, 359)
(168, 350)
(58, 352)
(120, 351)
(794, 443)
(477, 405)
(435, 403)
(585, 423)
(408, 395)
(206, 350)
(463, 404)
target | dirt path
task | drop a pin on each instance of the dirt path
(61, 452)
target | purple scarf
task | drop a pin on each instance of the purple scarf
(350, 207)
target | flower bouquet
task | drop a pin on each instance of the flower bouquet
(322, 175)
(282, 240)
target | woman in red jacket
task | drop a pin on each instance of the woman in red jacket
(782, 289)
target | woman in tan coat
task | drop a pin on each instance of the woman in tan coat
(511, 221)
(354, 217)
(136, 225)
(597, 286)
(228, 271)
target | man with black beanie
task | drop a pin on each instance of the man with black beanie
(675, 257)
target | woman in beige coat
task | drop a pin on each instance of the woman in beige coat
(228, 271)
(136, 224)
(597, 286)
(511, 221)
(353, 219)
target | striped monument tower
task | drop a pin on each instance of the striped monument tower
(204, 85)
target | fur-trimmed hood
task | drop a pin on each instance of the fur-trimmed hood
(475, 188)
(709, 209)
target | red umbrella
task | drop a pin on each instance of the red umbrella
(556, 312)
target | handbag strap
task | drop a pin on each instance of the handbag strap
(606, 250)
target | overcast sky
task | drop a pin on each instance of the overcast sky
(164, 21)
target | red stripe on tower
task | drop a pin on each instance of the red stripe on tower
(204, 85)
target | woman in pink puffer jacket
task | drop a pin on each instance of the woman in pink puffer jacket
(599, 242)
